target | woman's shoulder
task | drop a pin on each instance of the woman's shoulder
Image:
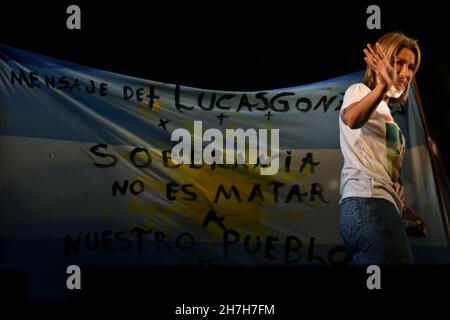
(354, 93)
(358, 88)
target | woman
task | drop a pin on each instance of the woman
(372, 197)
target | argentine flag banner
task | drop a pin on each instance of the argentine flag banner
(103, 169)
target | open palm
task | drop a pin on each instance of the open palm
(377, 61)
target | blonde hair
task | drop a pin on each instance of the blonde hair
(392, 43)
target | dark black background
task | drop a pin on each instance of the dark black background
(232, 46)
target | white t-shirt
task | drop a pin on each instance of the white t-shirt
(373, 154)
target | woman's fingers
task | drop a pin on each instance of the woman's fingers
(395, 63)
(379, 55)
(380, 51)
(375, 54)
(377, 61)
(372, 65)
(370, 57)
(373, 62)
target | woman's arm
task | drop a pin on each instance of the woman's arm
(358, 113)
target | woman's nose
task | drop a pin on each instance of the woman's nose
(404, 71)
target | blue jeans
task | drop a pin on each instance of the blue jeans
(373, 232)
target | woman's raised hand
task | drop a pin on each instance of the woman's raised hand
(377, 61)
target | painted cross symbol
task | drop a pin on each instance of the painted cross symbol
(162, 123)
(268, 115)
(221, 116)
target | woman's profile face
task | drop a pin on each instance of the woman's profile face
(404, 66)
